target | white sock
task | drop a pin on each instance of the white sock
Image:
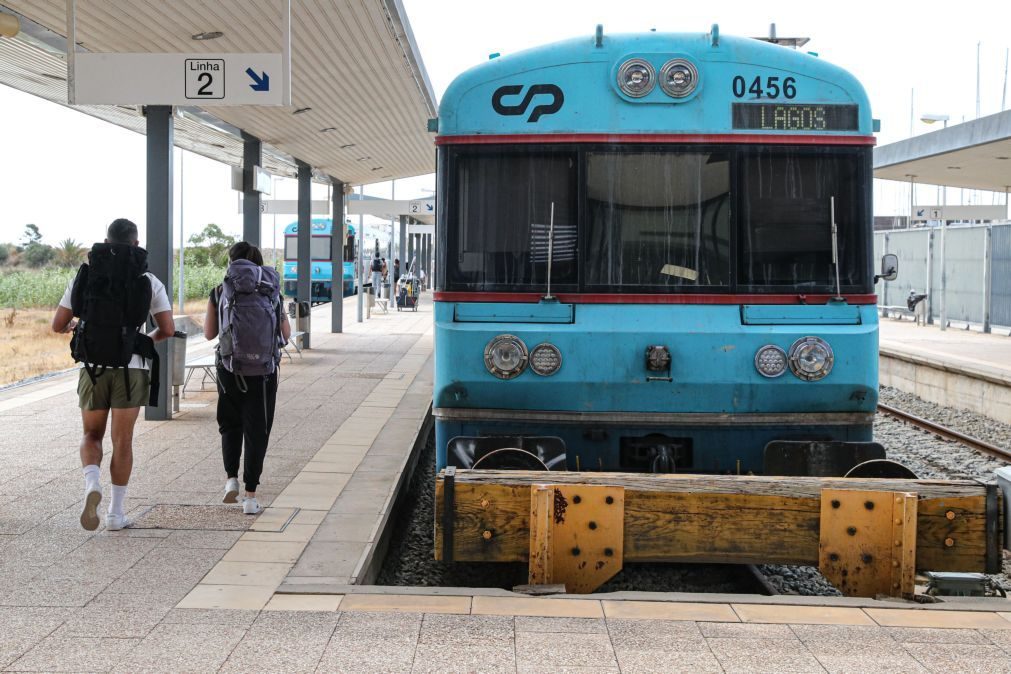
(91, 475)
(116, 502)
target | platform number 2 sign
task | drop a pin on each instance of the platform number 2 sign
(205, 78)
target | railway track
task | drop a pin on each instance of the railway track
(945, 432)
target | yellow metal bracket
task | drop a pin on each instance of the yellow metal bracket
(576, 535)
(867, 542)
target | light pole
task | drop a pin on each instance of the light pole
(273, 193)
(182, 237)
(930, 119)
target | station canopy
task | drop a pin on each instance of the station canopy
(974, 155)
(361, 97)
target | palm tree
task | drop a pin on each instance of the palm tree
(69, 253)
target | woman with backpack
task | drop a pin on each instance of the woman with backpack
(246, 313)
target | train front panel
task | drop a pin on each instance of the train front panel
(654, 255)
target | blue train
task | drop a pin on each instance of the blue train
(655, 255)
(319, 251)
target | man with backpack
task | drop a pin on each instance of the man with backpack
(112, 296)
(245, 312)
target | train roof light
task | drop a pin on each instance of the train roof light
(636, 77)
(678, 78)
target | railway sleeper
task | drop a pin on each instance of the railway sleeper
(868, 537)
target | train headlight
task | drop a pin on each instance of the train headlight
(545, 359)
(505, 356)
(811, 358)
(770, 361)
(636, 77)
(678, 78)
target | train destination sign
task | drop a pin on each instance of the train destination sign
(795, 117)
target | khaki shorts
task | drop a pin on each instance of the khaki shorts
(109, 390)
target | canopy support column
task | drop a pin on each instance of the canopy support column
(251, 158)
(303, 287)
(337, 240)
(160, 129)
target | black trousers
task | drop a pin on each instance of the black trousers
(245, 416)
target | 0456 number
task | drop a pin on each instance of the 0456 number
(771, 89)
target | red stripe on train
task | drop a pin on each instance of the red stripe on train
(692, 138)
(614, 298)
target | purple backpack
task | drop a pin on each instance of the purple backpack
(249, 335)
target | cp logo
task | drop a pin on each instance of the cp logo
(557, 98)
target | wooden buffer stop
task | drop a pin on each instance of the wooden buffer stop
(867, 536)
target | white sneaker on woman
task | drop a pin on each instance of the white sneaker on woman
(231, 491)
(250, 506)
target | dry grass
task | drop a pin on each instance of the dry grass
(29, 347)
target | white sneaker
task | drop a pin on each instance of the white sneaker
(89, 515)
(231, 491)
(250, 506)
(117, 522)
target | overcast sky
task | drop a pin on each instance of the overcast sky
(71, 174)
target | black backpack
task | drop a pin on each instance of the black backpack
(111, 298)
(377, 264)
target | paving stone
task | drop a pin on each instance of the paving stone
(745, 631)
(454, 657)
(74, 655)
(563, 625)
(105, 621)
(763, 655)
(275, 655)
(214, 540)
(651, 661)
(335, 560)
(585, 650)
(295, 624)
(22, 628)
(666, 635)
(860, 633)
(174, 649)
(892, 663)
(934, 635)
(946, 658)
(466, 630)
(227, 597)
(202, 616)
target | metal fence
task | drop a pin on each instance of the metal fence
(975, 261)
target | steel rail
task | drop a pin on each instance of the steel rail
(945, 432)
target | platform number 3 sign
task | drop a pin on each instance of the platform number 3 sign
(205, 78)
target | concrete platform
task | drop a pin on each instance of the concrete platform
(278, 593)
(957, 368)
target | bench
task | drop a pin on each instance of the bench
(205, 363)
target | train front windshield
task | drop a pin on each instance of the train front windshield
(644, 219)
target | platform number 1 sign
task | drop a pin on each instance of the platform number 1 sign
(205, 78)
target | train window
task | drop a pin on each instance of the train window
(785, 237)
(498, 225)
(319, 248)
(658, 220)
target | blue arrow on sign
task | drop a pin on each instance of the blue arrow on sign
(260, 82)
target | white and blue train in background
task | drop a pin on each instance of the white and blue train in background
(319, 252)
(702, 205)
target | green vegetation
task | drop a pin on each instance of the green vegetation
(33, 274)
(27, 288)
